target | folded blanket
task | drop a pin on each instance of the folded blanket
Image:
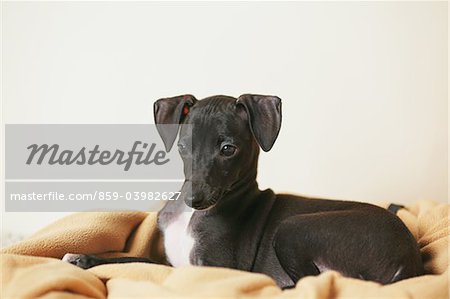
(32, 267)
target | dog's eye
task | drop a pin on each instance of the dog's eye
(228, 150)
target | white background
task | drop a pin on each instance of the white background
(363, 84)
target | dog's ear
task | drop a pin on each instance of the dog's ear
(169, 113)
(264, 114)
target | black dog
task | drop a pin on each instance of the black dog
(236, 225)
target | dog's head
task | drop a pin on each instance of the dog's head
(220, 149)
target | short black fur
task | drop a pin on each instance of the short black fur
(284, 236)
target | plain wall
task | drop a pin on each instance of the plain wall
(363, 84)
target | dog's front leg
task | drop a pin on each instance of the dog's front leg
(85, 261)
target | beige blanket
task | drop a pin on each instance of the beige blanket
(32, 267)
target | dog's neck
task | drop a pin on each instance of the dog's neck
(242, 195)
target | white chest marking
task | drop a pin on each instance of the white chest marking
(178, 242)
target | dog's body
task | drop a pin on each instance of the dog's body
(288, 237)
(236, 225)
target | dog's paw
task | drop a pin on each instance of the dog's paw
(83, 261)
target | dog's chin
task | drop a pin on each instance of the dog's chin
(205, 207)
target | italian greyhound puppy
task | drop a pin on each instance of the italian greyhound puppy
(233, 224)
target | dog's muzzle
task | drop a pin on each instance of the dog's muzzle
(200, 196)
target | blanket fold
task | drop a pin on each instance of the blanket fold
(32, 268)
